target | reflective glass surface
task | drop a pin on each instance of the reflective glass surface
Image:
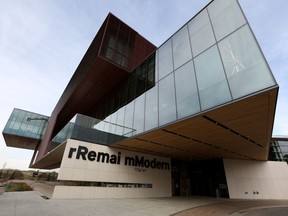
(212, 83)
(128, 123)
(244, 63)
(151, 108)
(181, 47)
(201, 33)
(186, 91)
(138, 125)
(120, 121)
(26, 124)
(165, 59)
(226, 17)
(278, 149)
(167, 106)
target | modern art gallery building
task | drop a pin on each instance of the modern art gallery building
(192, 117)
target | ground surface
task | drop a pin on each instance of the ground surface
(36, 203)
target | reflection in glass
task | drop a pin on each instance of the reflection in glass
(113, 122)
(165, 59)
(120, 121)
(181, 47)
(139, 114)
(128, 123)
(226, 17)
(212, 83)
(186, 91)
(167, 106)
(244, 63)
(201, 33)
(151, 108)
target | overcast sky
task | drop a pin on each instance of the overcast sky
(43, 41)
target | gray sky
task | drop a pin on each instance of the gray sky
(43, 41)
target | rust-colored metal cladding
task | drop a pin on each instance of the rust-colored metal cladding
(115, 51)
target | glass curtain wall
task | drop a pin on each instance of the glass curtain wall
(211, 60)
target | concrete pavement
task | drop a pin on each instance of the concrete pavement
(32, 204)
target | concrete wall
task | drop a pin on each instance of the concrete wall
(256, 179)
(74, 169)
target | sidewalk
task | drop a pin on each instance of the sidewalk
(32, 204)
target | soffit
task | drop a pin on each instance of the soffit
(52, 159)
(15, 141)
(239, 130)
(100, 78)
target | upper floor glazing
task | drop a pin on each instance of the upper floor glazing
(212, 60)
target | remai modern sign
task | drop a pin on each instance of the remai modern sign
(83, 153)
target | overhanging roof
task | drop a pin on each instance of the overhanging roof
(240, 130)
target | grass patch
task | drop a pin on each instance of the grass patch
(21, 186)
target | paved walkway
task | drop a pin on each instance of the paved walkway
(43, 188)
(240, 207)
(32, 204)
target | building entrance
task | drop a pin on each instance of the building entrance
(199, 178)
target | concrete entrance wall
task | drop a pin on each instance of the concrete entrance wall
(256, 179)
(103, 172)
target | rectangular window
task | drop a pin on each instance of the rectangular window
(165, 65)
(151, 108)
(138, 124)
(181, 47)
(226, 17)
(244, 63)
(201, 33)
(167, 106)
(186, 91)
(212, 83)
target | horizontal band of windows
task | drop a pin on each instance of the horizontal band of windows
(103, 184)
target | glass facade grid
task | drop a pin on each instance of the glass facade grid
(226, 17)
(138, 124)
(151, 108)
(210, 61)
(181, 47)
(167, 105)
(165, 59)
(195, 71)
(186, 91)
(244, 68)
(26, 124)
(279, 150)
(201, 33)
(212, 83)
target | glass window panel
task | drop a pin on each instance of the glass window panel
(129, 113)
(244, 63)
(14, 114)
(212, 83)
(139, 114)
(120, 121)
(226, 17)
(165, 59)
(113, 122)
(186, 91)
(21, 116)
(151, 108)
(107, 124)
(167, 107)
(201, 33)
(156, 66)
(16, 126)
(181, 47)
